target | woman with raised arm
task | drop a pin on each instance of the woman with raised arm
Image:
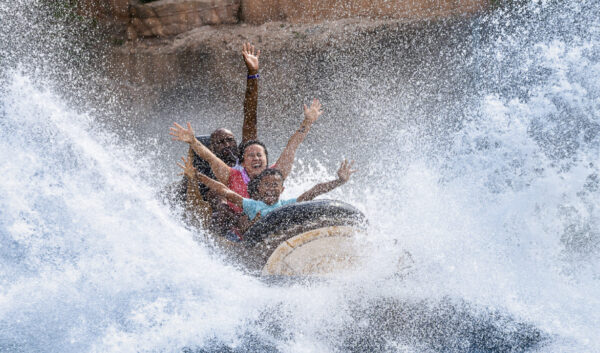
(253, 154)
(222, 141)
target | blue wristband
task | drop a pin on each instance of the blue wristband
(250, 77)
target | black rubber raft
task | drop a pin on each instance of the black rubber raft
(297, 218)
(296, 224)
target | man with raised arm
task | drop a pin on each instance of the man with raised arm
(224, 146)
(222, 142)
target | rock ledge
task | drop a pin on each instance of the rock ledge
(171, 17)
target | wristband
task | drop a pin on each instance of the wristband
(250, 77)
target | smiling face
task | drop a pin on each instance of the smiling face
(270, 188)
(255, 160)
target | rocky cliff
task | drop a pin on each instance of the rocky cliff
(165, 18)
(183, 53)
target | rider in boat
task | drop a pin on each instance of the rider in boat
(201, 203)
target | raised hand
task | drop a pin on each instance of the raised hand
(250, 58)
(346, 171)
(179, 133)
(188, 168)
(343, 175)
(314, 112)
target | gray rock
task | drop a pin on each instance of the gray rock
(167, 18)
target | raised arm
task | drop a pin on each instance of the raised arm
(343, 175)
(195, 202)
(217, 187)
(218, 167)
(249, 129)
(286, 160)
(193, 193)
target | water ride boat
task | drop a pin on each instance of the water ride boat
(307, 238)
(303, 239)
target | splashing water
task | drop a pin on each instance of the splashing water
(498, 207)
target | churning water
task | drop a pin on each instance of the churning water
(487, 173)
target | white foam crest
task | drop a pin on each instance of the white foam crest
(490, 224)
(89, 249)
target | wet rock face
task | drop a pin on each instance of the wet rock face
(307, 11)
(171, 17)
(167, 18)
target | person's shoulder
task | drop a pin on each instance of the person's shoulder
(250, 203)
(288, 201)
(252, 207)
(237, 167)
(235, 174)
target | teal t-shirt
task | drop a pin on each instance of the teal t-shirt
(253, 207)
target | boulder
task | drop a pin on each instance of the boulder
(311, 11)
(167, 18)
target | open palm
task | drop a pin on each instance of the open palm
(346, 171)
(312, 113)
(180, 133)
(188, 168)
(250, 57)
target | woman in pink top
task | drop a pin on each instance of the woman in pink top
(253, 153)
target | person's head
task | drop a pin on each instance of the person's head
(224, 146)
(253, 157)
(267, 186)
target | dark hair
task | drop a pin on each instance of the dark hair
(253, 184)
(243, 146)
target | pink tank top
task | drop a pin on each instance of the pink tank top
(239, 185)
